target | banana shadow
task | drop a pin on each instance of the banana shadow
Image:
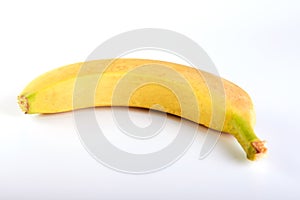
(230, 147)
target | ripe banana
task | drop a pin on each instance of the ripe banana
(179, 90)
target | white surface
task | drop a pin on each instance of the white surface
(254, 44)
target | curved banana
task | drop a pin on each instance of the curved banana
(179, 90)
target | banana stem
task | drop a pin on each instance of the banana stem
(244, 133)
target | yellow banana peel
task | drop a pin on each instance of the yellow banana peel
(179, 90)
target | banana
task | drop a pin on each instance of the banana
(180, 90)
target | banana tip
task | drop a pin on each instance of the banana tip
(23, 103)
(260, 148)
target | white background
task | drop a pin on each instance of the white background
(255, 44)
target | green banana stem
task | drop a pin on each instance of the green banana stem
(245, 135)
